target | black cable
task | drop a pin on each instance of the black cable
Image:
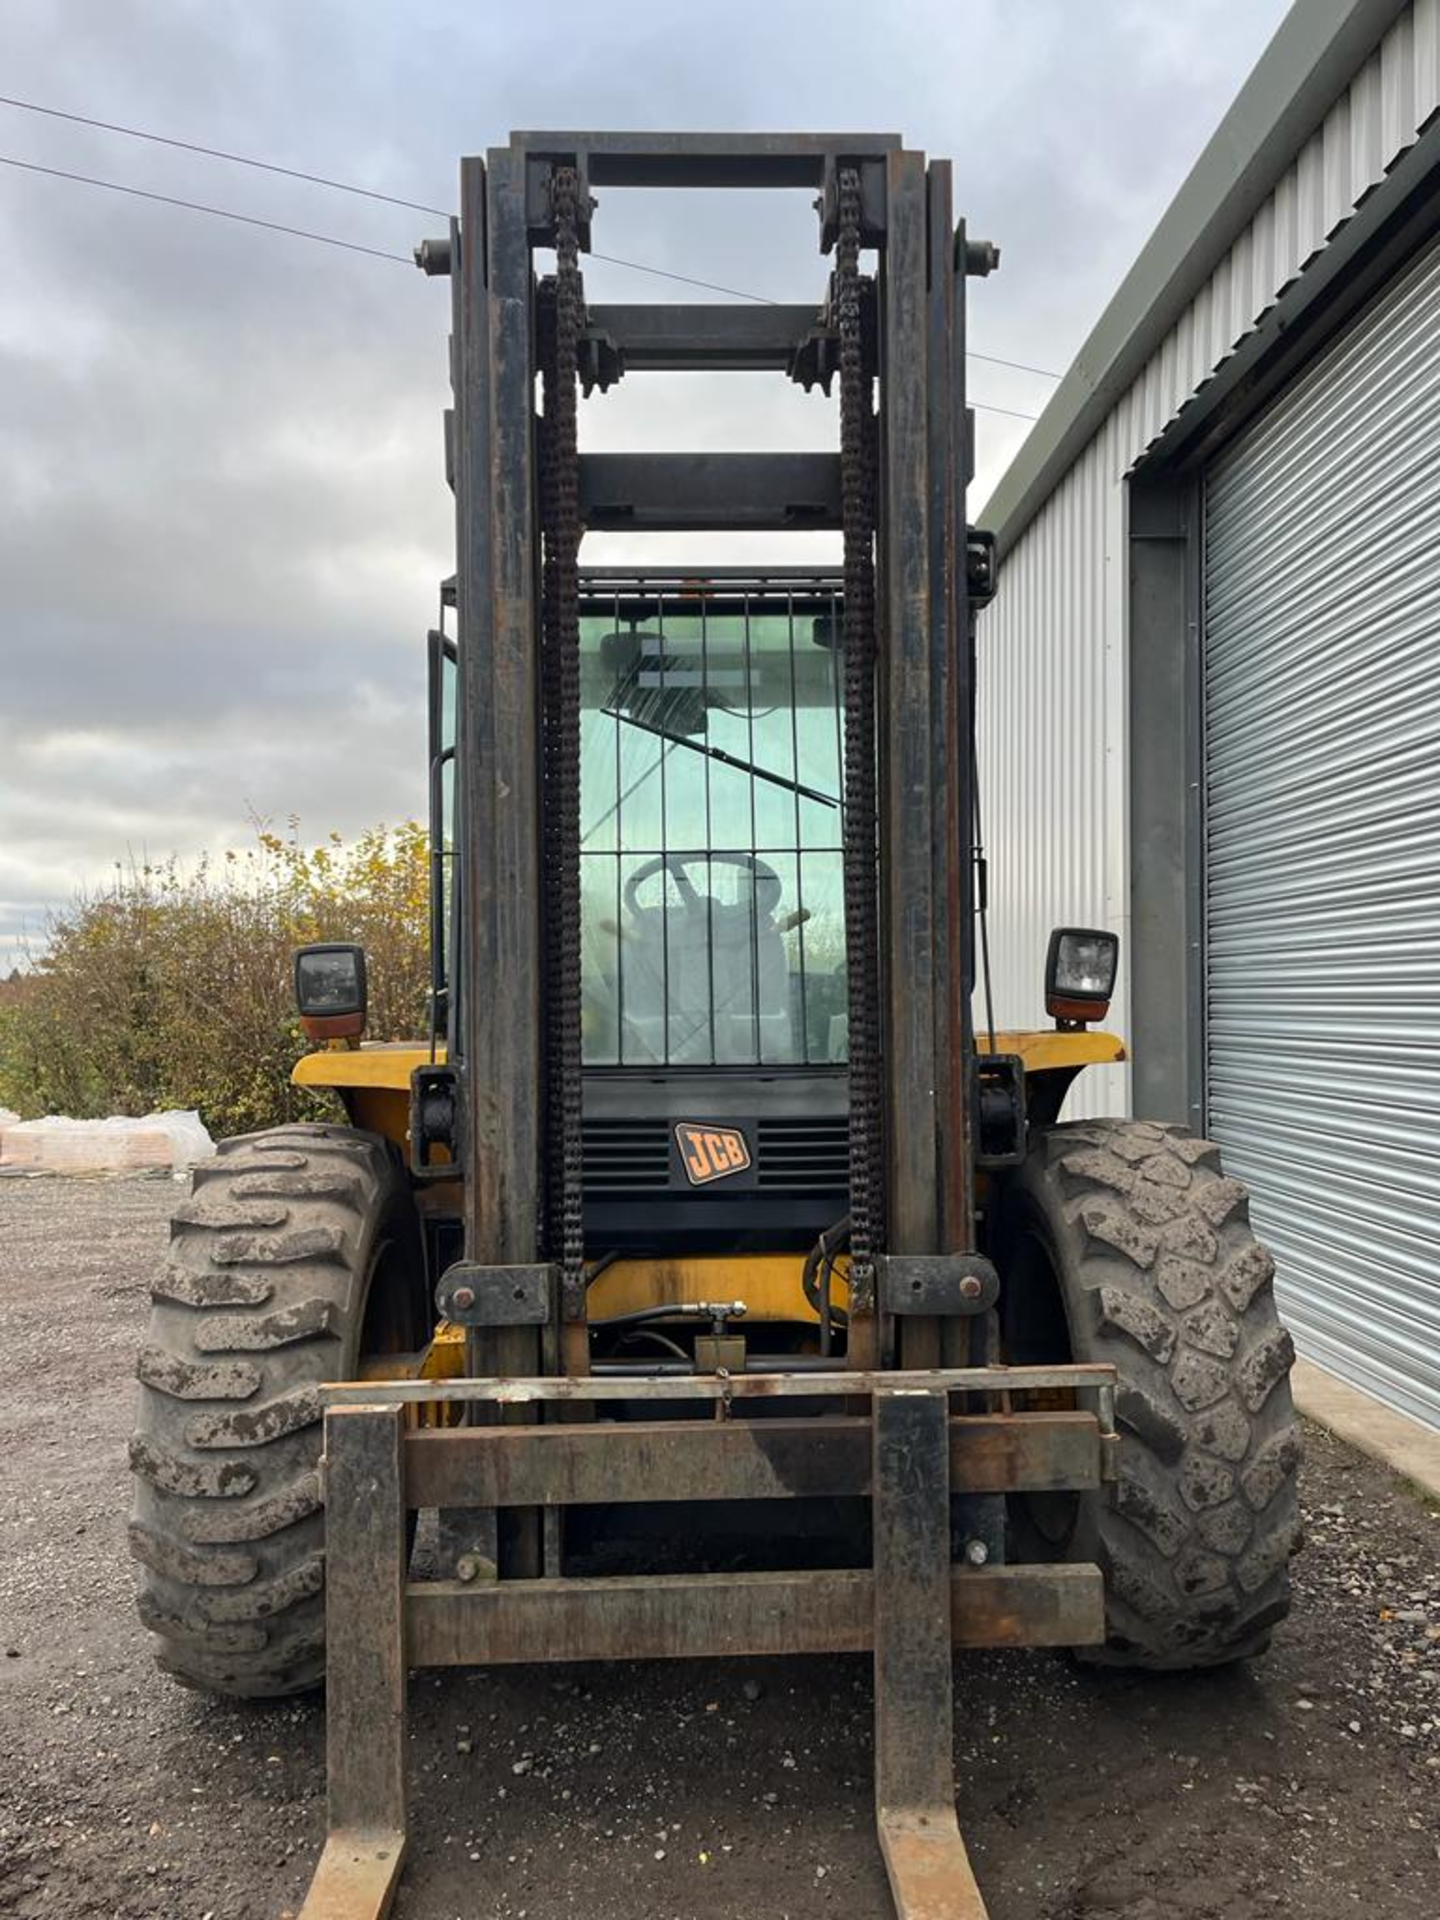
(978, 855)
(195, 206)
(660, 1339)
(415, 206)
(1014, 412)
(817, 1276)
(761, 299)
(385, 199)
(1020, 366)
(638, 1316)
(689, 280)
(218, 153)
(597, 1267)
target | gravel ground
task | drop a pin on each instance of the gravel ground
(1308, 1785)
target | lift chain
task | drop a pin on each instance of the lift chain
(862, 935)
(564, 301)
(552, 1166)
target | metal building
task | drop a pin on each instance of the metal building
(1217, 647)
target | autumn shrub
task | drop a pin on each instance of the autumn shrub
(172, 986)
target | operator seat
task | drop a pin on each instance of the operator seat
(731, 949)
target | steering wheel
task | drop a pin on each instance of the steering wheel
(678, 865)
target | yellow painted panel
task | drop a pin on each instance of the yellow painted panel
(445, 1356)
(374, 1083)
(380, 1110)
(442, 1359)
(391, 1065)
(375, 1065)
(768, 1283)
(1050, 1048)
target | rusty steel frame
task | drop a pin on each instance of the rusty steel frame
(913, 1439)
(1096, 1381)
(907, 1454)
(724, 1616)
(683, 1461)
(923, 614)
(365, 1666)
(930, 1876)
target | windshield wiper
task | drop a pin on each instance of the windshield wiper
(725, 759)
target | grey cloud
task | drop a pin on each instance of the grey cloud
(222, 513)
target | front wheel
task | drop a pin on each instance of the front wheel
(1124, 1242)
(297, 1251)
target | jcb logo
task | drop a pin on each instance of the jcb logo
(711, 1153)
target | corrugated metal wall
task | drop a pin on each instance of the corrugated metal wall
(1054, 644)
(1322, 723)
(1051, 760)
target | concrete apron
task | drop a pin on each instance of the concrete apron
(1397, 1441)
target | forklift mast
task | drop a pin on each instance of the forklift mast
(913, 577)
(915, 1435)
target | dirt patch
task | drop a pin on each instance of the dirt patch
(1303, 1787)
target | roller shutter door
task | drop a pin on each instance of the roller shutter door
(1322, 810)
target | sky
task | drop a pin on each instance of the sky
(223, 514)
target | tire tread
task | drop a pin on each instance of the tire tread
(262, 1298)
(1162, 1277)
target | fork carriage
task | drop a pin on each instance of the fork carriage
(912, 1444)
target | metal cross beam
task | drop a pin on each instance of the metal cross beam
(673, 339)
(841, 1383)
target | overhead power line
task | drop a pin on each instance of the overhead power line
(379, 253)
(687, 279)
(1020, 366)
(196, 206)
(987, 406)
(219, 153)
(739, 293)
(414, 206)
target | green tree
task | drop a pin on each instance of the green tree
(172, 987)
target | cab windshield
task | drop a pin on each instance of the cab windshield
(710, 842)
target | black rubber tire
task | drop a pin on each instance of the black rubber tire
(1157, 1270)
(296, 1251)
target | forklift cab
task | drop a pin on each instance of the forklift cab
(710, 847)
(712, 902)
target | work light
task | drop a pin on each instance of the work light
(1080, 974)
(330, 990)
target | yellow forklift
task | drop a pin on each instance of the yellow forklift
(704, 1283)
